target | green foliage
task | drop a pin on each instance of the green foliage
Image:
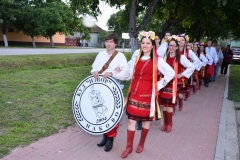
(213, 19)
(118, 23)
(102, 35)
(234, 83)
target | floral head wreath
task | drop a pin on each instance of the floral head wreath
(196, 44)
(175, 38)
(149, 34)
(202, 44)
(185, 36)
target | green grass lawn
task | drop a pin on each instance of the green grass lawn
(234, 83)
(36, 95)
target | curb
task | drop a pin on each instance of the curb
(226, 134)
(219, 153)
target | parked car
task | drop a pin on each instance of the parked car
(235, 47)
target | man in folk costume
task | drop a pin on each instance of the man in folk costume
(213, 53)
(105, 63)
(142, 99)
(161, 50)
(208, 70)
(189, 54)
(198, 49)
(169, 94)
(196, 74)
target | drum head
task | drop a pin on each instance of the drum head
(98, 104)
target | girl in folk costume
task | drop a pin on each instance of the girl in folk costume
(168, 94)
(142, 100)
(207, 74)
(192, 58)
(199, 76)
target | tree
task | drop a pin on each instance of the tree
(9, 10)
(134, 7)
(28, 22)
(196, 17)
(117, 23)
(101, 37)
(55, 18)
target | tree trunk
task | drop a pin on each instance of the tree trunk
(33, 42)
(134, 30)
(132, 26)
(134, 44)
(4, 29)
(51, 41)
(5, 40)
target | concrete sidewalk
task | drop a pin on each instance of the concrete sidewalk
(194, 135)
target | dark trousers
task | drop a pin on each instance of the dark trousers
(224, 67)
(206, 81)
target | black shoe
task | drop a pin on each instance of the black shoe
(213, 80)
(210, 80)
(109, 144)
(206, 85)
(103, 141)
(139, 125)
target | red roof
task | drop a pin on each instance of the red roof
(96, 29)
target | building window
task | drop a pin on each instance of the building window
(10, 30)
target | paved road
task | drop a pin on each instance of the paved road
(28, 51)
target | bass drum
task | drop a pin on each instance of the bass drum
(98, 104)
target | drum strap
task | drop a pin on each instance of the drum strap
(105, 66)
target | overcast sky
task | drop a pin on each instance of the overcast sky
(107, 11)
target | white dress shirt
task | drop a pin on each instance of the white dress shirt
(188, 65)
(118, 61)
(161, 51)
(210, 59)
(203, 59)
(213, 53)
(134, 56)
(195, 60)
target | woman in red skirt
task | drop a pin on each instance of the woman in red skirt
(197, 75)
(202, 56)
(142, 100)
(193, 59)
(168, 94)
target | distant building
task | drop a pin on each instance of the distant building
(18, 38)
(94, 40)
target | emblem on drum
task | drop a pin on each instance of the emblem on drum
(98, 104)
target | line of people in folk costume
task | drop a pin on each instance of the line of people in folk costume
(160, 74)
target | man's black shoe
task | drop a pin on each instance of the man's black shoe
(103, 141)
(109, 144)
(139, 125)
